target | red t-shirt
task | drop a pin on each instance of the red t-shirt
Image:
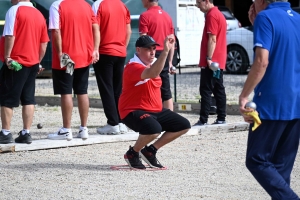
(139, 94)
(113, 18)
(74, 18)
(215, 23)
(29, 27)
(156, 23)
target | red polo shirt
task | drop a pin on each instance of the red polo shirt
(137, 93)
(74, 18)
(29, 27)
(156, 23)
(113, 18)
(215, 23)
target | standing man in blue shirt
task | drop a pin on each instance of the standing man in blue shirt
(274, 75)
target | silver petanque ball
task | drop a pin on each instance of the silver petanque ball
(251, 104)
(65, 56)
(214, 66)
(173, 69)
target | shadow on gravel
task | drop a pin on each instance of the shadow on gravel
(37, 166)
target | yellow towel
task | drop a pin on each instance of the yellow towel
(255, 116)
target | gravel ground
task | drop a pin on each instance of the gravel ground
(207, 166)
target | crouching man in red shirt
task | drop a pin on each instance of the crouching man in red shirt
(140, 104)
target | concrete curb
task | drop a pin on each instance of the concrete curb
(130, 136)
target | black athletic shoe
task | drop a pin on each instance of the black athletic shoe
(133, 159)
(24, 138)
(148, 154)
(218, 122)
(6, 139)
(199, 123)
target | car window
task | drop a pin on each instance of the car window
(227, 14)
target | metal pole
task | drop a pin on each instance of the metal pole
(175, 92)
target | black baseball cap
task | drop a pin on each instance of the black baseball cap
(145, 41)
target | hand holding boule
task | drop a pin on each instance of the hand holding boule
(214, 66)
(250, 105)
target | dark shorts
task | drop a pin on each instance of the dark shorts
(16, 86)
(63, 83)
(148, 123)
(165, 88)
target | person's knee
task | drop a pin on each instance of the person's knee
(253, 163)
(185, 126)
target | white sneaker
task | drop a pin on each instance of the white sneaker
(109, 130)
(83, 134)
(61, 135)
(123, 128)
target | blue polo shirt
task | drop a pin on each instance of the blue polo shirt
(277, 29)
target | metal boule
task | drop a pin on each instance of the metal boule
(39, 126)
(251, 105)
(214, 66)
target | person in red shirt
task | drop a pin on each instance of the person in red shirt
(213, 49)
(115, 31)
(25, 40)
(75, 43)
(141, 107)
(158, 24)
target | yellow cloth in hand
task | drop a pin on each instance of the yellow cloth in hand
(255, 116)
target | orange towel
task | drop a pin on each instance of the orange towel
(255, 116)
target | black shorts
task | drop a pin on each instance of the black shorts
(16, 86)
(148, 123)
(63, 83)
(165, 88)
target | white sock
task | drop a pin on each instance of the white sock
(82, 127)
(24, 131)
(5, 131)
(66, 129)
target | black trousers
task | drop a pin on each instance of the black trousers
(210, 85)
(109, 75)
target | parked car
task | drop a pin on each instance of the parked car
(232, 22)
(240, 48)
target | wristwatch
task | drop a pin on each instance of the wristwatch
(208, 58)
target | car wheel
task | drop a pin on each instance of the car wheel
(237, 60)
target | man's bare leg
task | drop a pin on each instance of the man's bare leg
(143, 140)
(27, 116)
(83, 107)
(66, 109)
(168, 104)
(6, 116)
(168, 137)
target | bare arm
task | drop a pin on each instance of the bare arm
(255, 75)
(143, 34)
(96, 36)
(128, 34)
(56, 37)
(171, 54)
(43, 47)
(8, 46)
(211, 45)
(158, 65)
